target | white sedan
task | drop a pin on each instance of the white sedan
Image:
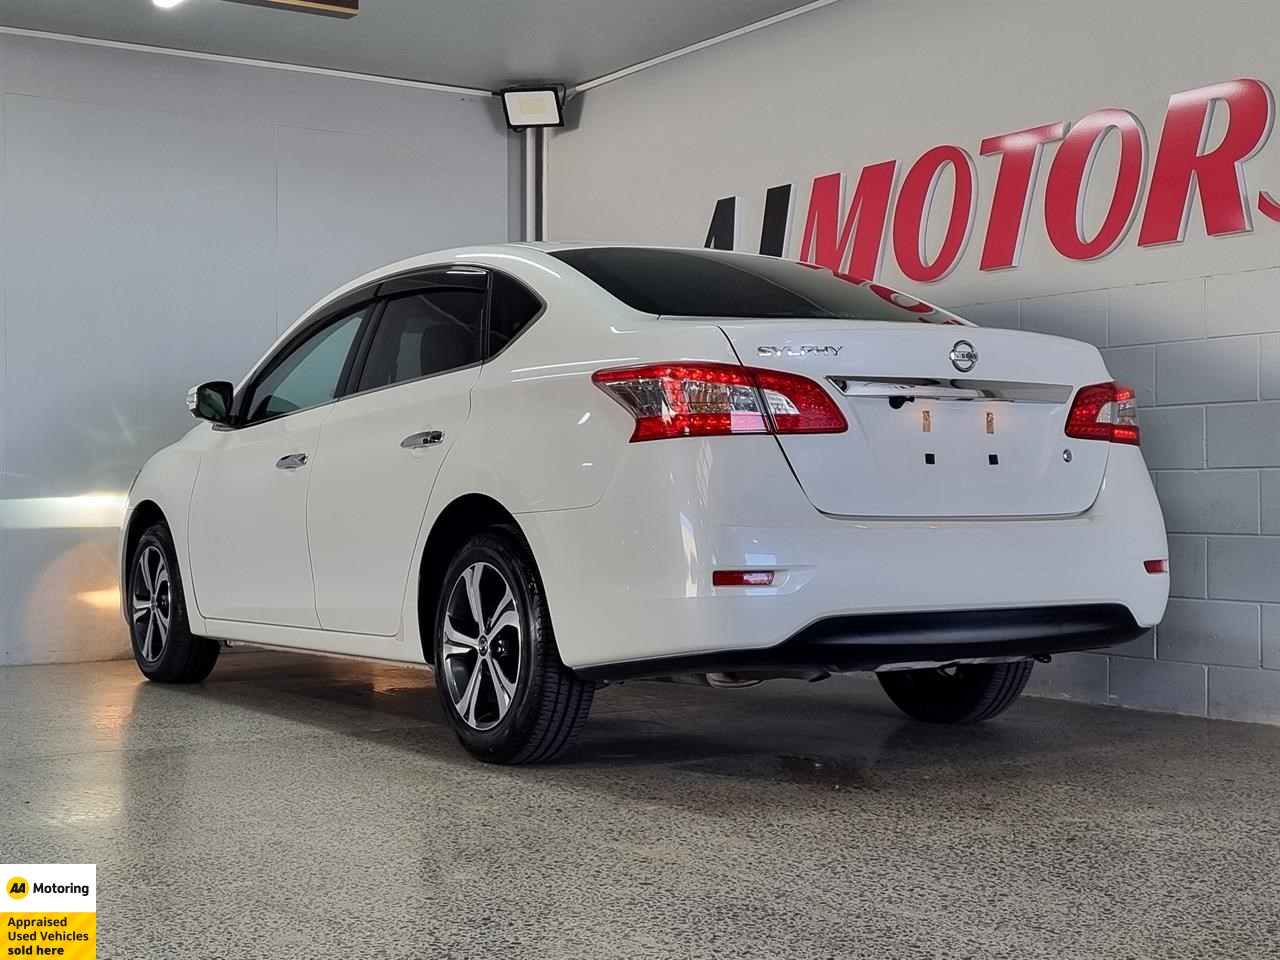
(540, 468)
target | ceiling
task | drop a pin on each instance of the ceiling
(469, 43)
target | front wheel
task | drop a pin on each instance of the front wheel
(959, 693)
(163, 646)
(502, 684)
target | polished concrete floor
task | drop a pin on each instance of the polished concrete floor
(310, 808)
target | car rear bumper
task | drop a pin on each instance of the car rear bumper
(630, 579)
(868, 642)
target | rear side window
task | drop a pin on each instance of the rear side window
(511, 309)
(425, 333)
(711, 283)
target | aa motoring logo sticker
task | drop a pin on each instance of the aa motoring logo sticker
(49, 910)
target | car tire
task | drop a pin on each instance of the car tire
(961, 693)
(508, 696)
(164, 647)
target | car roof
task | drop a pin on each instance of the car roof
(455, 254)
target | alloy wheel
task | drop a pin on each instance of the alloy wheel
(481, 657)
(151, 603)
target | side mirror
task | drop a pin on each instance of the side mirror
(211, 401)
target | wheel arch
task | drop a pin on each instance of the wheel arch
(144, 514)
(464, 517)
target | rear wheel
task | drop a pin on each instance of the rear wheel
(163, 645)
(502, 684)
(959, 693)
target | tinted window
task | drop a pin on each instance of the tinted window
(511, 309)
(424, 333)
(309, 374)
(710, 283)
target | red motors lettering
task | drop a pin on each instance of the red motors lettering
(850, 231)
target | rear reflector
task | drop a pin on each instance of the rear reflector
(742, 578)
(715, 399)
(1104, 411)
(1156, 566)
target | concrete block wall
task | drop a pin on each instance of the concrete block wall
(1203, 355)
(162, 220)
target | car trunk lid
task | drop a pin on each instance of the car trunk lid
(944, 420)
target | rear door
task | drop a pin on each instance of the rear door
(382, 447)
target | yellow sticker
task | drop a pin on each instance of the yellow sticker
(53, 911)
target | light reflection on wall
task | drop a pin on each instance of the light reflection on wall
(61, 578)
(85, 511)
(107, 598)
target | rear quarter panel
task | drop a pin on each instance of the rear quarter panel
(541, 436)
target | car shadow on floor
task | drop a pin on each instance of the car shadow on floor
(840, 733)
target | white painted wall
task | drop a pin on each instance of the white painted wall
(1195, 327)
(162, 219)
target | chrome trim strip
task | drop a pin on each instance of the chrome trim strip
(926, 388)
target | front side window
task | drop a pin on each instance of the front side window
(309, 375)
(424, 333)
(712, 283)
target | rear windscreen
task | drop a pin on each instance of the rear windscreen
(711, 283)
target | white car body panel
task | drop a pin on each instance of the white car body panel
(166, 480)
(634, 589)
(626, 535)
(247, 531)
(878, 468)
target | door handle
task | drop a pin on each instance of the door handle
(424, 439)
(292, 462)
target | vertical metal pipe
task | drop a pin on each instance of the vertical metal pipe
(543, 138)
(532, 216)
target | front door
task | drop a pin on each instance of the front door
(248, 523)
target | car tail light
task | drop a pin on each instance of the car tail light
(1156, 566)
(798, 405)
(1104, 411)
(714, 399)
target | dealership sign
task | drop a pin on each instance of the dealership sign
(849, 232)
